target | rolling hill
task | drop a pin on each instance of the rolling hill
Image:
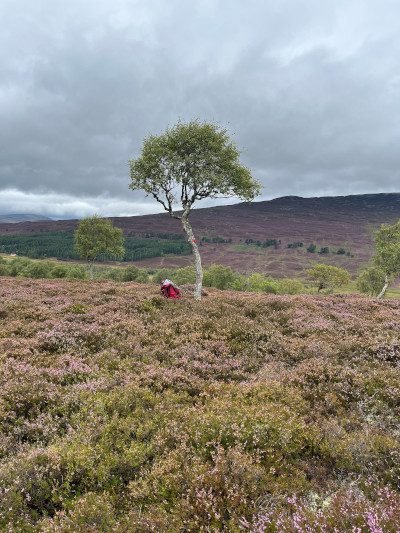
(16, 218)
(342, 222)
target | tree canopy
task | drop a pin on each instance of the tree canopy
(387, 252)
(328, 277)
(96, 236)
(371, 280)
(190, 162)
(387, 242)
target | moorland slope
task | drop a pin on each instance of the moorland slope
(16, 218)
(345, 222)
(121, 411)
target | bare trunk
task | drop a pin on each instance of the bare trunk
(384, 289)
(197, 259)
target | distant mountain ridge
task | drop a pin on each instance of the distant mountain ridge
(338, 222)
(15, 218)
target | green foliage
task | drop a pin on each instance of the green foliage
(371, 281)
(328, 277)
(4, 268)
(259, 283)
(17, 265)
(290, 286)
(387, 253)
(324, 250)
(92, 512)
(115, 274)
(312, 248)
(131, 273)
(163, 273)
(141, 248)
(97, 236)
(40, 245)
(77, 272)
(190, 162)
(38, 269)
(219, 276)
(60, 271)
(185, 275)
(60, 245)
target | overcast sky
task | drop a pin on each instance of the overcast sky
(309, 89)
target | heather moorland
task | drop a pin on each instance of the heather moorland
(122, 411)
(229, 234)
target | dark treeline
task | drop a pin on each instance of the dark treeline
(60, 245)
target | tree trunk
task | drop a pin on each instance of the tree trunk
(384, 289)
(197, 259)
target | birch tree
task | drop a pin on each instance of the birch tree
(96, 236)
(187, 163)
(387, 253)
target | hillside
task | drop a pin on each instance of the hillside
(16, 218)
(125, 412)
(345, 222)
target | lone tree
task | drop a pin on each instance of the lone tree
(387, 254)
(185, 164)
(96, 236)
(328, 277)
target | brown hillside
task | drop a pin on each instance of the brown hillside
(344, 221)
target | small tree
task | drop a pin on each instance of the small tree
(187, 163)
(328, 277)
(371, 281)
(387, 254)
(96, 236)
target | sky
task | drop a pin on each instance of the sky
(308, 89)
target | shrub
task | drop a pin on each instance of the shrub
(115, 274)
(143, 276)
(91, 513)
(77, 272)
(4, 268)
(260, 283)
(290, 286)
(37, 269)
(59, 271)
(163, 273)
(371, 281)
(312, 248)
(130, 273)
(219, 276)
(186, 275)
(18, 264)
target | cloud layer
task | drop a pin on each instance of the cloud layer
(309, 90)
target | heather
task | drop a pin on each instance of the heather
(122, 411)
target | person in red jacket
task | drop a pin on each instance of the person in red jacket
(169, 290)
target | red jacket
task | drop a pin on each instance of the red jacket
(170, 291)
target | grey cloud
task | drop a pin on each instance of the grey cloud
(309, 90)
